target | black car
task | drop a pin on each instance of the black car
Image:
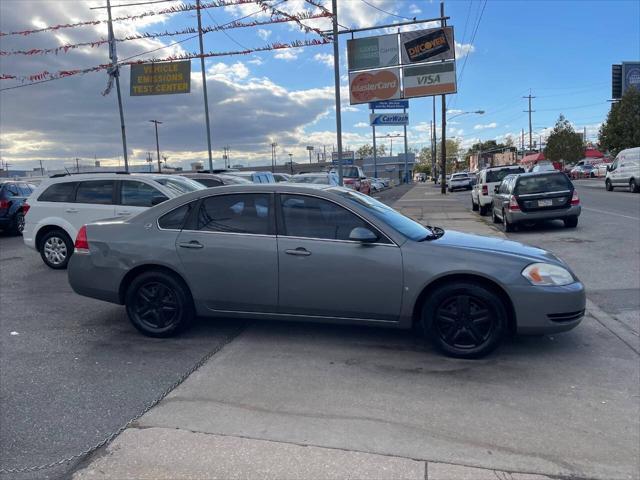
(12, 197)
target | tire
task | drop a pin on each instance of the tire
(474, 205)
(571, 222)
(494, 217)
(608, 185)
(17, 225)
(464, 320)
(506, 225)
(159, 304)
(56, 249)
(483, 210)
(633, 186)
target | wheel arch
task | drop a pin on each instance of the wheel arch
(480, 280)
(148, 267)
(42, 231)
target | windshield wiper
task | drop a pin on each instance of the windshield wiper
(436, 232)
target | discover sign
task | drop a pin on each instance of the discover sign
(429, 79)
(374, 85)
(160, 78)
(427, 45)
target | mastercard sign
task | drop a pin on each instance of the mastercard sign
(374, 85)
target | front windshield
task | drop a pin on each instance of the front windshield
(407, 227)
(180, 185)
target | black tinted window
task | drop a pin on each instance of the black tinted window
(316, 218)
(138, 194)
(498, 175)
(542, 183)
(95, 192)
(59, 192)
(174, 220)
(241, 213)
(208, 182)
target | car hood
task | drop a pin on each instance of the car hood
(467, 241)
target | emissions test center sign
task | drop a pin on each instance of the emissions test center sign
(160, 78)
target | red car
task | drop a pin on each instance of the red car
(354, 177)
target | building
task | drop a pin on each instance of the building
(503, 156)
(388, 167)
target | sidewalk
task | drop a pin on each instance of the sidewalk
(192, 434)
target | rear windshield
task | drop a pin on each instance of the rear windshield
(460, 176)
(180, 185)
(542, 183)
(351, 172)
(498, 175)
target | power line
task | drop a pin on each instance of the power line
(386, 12)
(473, 38)
(224, 31)
(135, 4)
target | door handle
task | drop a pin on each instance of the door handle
(124, 213)
(191, 244)
(300, 251)
(71, 210)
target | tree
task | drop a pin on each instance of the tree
(564, 144)
(367, 151)
(621, 129)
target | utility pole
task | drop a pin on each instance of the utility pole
(164, 157)
(375, 153)
(336, 78)
(309, 149)
(41, 168)
(149, 161)
(584, 136)
(406, 151)
(204, 87)
(434, 148)
(115, 72)
(273, 156)
(530, 111)
(77, 165)
(522, 141)
(225, 156)
(291, 163)
(156, 122)
(443, 173)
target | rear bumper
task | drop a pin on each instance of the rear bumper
(541, 310)
(573, 211)
(93, 281)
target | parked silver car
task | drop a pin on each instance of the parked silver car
(327, 254)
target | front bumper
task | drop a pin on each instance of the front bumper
(541, 310)
(515, 217)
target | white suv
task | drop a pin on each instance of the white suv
(488, 178)
(63, 203)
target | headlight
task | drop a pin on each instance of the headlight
(544, 274)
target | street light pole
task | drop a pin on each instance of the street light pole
(291, 163)
(156, 122)
(336, 78)
(310, 149)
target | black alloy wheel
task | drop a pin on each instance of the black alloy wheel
(159, 304)
(465, 320)
(633, 186)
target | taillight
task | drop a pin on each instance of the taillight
(25, 208)
(513, 204)
(4, 204)
(82, 244)
(575, 200)
(485, 190)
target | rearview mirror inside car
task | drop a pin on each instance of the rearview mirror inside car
(158, 199)
(364, 235)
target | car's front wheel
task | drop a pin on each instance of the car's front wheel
(159, 304)
(474, 205)
(608, 185)
(633, 186)
(464, 320)
(55, 249)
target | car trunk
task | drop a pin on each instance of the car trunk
(536, 202)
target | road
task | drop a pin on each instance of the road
(73, 371)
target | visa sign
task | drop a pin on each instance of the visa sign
(379, 119)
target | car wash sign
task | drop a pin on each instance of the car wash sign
(163, 78)
(381, 119)
(429, 79)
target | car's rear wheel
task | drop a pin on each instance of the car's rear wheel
(17, 225)
(633, 186)
(483, 209)
(608, 185)
(494, 217)
(571, 222)
(464, 320)
(159, 304)
(474, 205)
(506, 224)
(56, 249)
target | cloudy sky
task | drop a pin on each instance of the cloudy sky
(560, 51)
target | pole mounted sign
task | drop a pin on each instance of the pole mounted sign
(160, 78)
(372, 52)
(380, 119)
(389, 105)
(427, 45)
(429, 79)
(374, 85)
(623, 77)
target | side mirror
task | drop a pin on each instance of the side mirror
(363, 178)
(158, 199)
(363, 235)
(608, 168)
(496, 189)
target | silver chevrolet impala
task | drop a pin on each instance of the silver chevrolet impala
(323, 254)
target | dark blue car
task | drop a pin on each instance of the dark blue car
(12, 198)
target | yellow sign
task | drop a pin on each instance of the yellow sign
(160, 78)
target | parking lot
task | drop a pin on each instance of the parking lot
(74, 370)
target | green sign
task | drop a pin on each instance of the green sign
(163, 78)
(372, 52)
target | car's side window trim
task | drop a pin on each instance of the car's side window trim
(281, 232)
(185, 221)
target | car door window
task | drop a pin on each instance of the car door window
(24, 189)
(12, 190)
(99, 192)
(59, 192)
(313, 217)
(174, 220)
(138, 194)
(239, 213)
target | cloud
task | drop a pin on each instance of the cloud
(361, 125)
(485, 126)
(414, 10)
(264, 34)
(464, 49)
(325, 58)
(237, 71)
(286, 55)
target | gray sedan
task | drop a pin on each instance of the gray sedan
(324, 254)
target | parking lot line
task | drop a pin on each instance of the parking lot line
(609, 213)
